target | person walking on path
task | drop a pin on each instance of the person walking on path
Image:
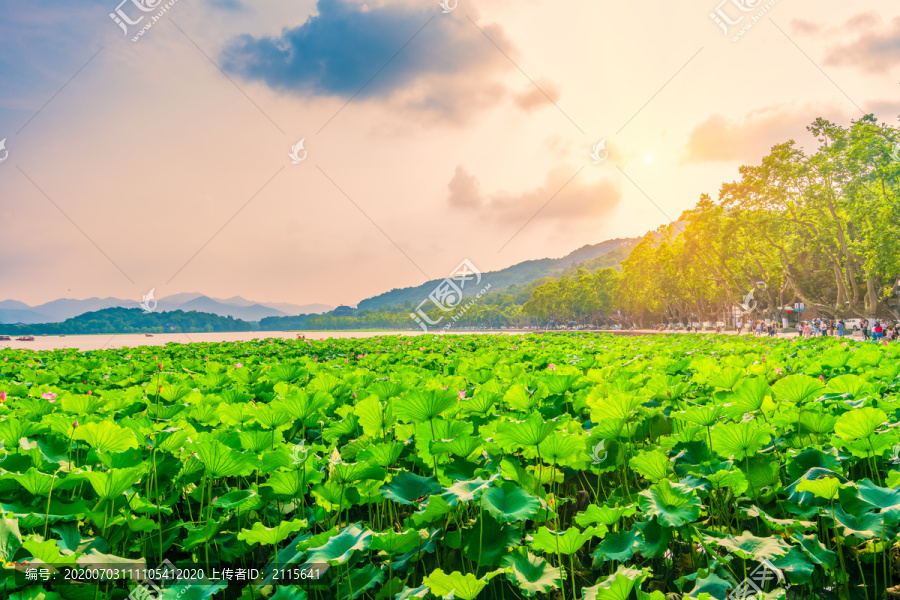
(840, 328)
(864, 325)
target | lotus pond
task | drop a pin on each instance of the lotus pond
(549, 466)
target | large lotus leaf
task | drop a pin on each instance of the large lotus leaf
(778, 525)
(604, 515)
(433, 508)
(652, 464)
(407, 488)
(260, 534)
(826, 487)
(513, 435)
(748, 396)
(376, 420)
(653, 541)
(10, 538)
(106, 436)
(860, 423)
(509, 503)
(740, 440)
(816, 552)
(864, 527)
(796, 566)
(802, 462)
(463, 445)
(110, 484)
(672, 503)
(735, 481)
(486, 541)
(816, 422)
(617, 586)
(559, 448)
(393, 542)
(238, 500)
(407, 593)
(350, 473)
(42, 484)
(521, 398)
(466, 491)
(35, 592)
(360, 581)
(339, 548)
(797, 388)
(701, 415)
(615, 546)
(418, 406)
(712, 585)
(617, 407)
(533, 575)
(873, 446)
(568, 542)
(383, 455)
(851, 384)
(222, 461)
(48, 551)
(465, 587)
(748, 545)
(301, 406)
(878, 497)
(333, 497)
(812, 474)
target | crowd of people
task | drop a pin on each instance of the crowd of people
(869, 330)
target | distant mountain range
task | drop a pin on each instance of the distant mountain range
(56, 311)
(610, 253)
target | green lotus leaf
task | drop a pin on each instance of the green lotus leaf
(533, 575)
(333, 497)
(735, 480)
(672, 503)
(520, 398)
(300, 405)
(860, 423)
(344, 473)
(407, 488)
(463, 445)
(513, 435)
(222, 461)
(433, 508)
(360, 581)
(393, 542)
(48, 551)
(851, 384)
(41, 484)
(604, 515)
(466, 491)
(864, 527)
(873, 446)
(339, 548)
(797, 388)
(509, 503)
(113, 483)
(35, 592)
(407, 593)
(487, 541)
(106, 436)
(10, 538)
(617, 586)
(748, 545)
(748, 397)
(559, 448)
(465, 587)
(652, 465)
(383, 455)
(815, 550)
(617, 407)
(878, 497)
(376, 420)
(796, 566)
(615, 546)
(654, 539)
(567, 542)
(778, 525)
(826, 487)
(817, 422)
(260, 534)
(418, 406)
(704, 416)
(740, 440)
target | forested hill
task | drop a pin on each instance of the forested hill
(610, 253)
(132, 320)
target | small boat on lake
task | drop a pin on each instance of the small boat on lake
(25, 338)
(4, 338)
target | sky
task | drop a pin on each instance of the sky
(327, 151)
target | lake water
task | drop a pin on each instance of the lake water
(132, 340)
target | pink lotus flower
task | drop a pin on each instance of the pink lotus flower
(49, 396)
(160, 366)
(76, 424)
(90, 392)
(551, 366)
(821, 378)
(238, 365)
(462, 394)
(2, 396)
(778, 371)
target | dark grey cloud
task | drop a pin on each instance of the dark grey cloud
(336, 51)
